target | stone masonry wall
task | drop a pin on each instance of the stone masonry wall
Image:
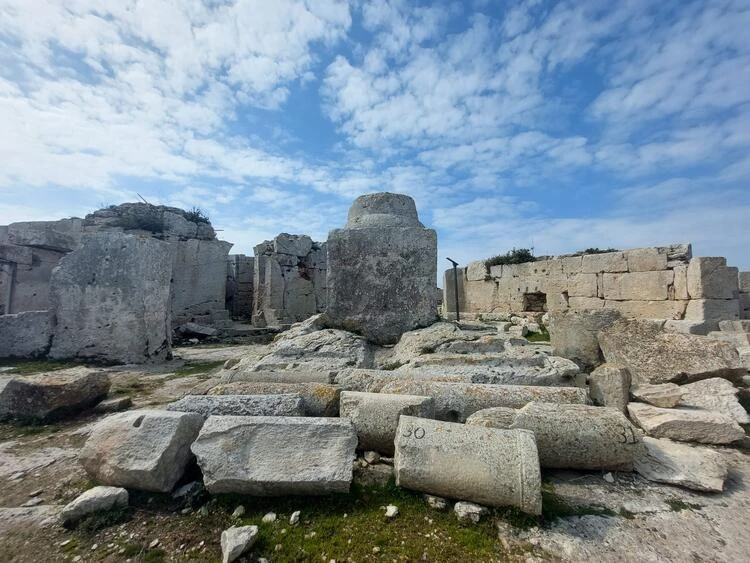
(240, 273)
(659, 282)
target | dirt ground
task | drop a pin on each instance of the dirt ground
(586, 518)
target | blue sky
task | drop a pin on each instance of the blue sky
(562, 125)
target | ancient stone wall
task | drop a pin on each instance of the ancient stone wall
(744, 286)
(239, 292)
(659, 282)
(289, 280)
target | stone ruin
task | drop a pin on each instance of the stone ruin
(466, 411)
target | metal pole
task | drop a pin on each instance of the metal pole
(455, 286)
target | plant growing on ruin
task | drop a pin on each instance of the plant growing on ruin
(196, 215)
(594, 251)
(149, 220)
(515, 256)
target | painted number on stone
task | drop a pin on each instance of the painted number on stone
(627, 435)
(417, 431)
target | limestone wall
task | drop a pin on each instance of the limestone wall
(289, 280)
(744, 286)
(660, 282)
(240, 273)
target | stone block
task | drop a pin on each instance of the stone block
(710, 278)
(495, 417)
(664, 395)
(64, 235)
(295, 245)
(691, 467)
(573, 335)
(744, 303)
(713, 310)
(609, 386)
(735, 326)
(581, 304)
(272, 456)
(240, 405)
(743, 281)
(375, 416)
(454, 402)
(176, 225)
(53, 395)
(572, 265)
(488, 466)
(680, 286)
(609, 262)
(580, 436)
(476, 271)
(639, 286)
(715, 394)
(646, 259)
(686, 425)
(382, 270)
(495, 271)
(96, 499)
(25, 335)
(318, 399)
(688, 327)
(111, 300)
(649, 309)
(17, 254)
(145, 449)
(582, 285)
(677, 254)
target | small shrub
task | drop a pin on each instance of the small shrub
(196, 215)
(594, 251)
(515, 256)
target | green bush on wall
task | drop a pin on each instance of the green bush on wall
(515, 256)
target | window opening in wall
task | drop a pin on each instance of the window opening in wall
(536, 302)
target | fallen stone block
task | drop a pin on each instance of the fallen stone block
(237, 540)
(373, 380)
(665, 461)
(25, 335)
(52, 395)
(580, 436)
(664, 395)
(454, 402)
(141, 449)
(318, 399)
(495, 417)
(270, 456)
(98, 499)
(574, 335)
(488, 466)
(686, 424)
(654, 356)
(375, 416)
(609, 386)
(714, 394)
(240, 405)
(113, 404)
(277, 376)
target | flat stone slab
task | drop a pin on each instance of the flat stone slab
(715, 394)
(141, 449)
(97, 499)
(664, 395)
(686, 424)
(241, 405)
(318, 399)
(454, 402)
(277, 376)
(270, 456)
(52, 395)
(488, 466)
(580, 436)
(691, 467)
(375, 416)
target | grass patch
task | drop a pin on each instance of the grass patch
(92, 523)
(515, 256)
(197, 368)
(29, 367)
(541, 336)
(390, 366)
(678, 505)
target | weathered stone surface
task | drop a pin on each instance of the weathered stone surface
(373, 380)
(610, 262)
(456, 401)
(714, 394)
(686, 424)
(664, 395)
(318, 399)
(646, 259)
(97, 499)
(574, 335)
(484, 465)
(580, 436)
(237, 540)
(197, 330)
(476, 271)
(687, 327)
(495, 417)
(111, 300)
(710, 278)
(469, 512)
(609, 386)
(17, 254)
(382, 270)
(141, 449)
(692, 467)
(53, 395)
(269, 456)
(648, 309)
(654, 356)
(641, 286)
(240, 405)
(712, 311)
(375, 416)
(432, 338)
(64, 235)
(25, 335)
(113, 404)
(295, 245)
(231, 375)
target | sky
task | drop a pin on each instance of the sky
(557, 125)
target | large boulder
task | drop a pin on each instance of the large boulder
(715, 394)
(580, 436)
(53, 395)
(484, 465)
(573, 335)
(382, 270)
(25, 335)
(652, 355)
(142, 449)
(270, 456)
(110, 299)
(686, 424)
(691, 467)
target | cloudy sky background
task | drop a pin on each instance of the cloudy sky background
(557, 125)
